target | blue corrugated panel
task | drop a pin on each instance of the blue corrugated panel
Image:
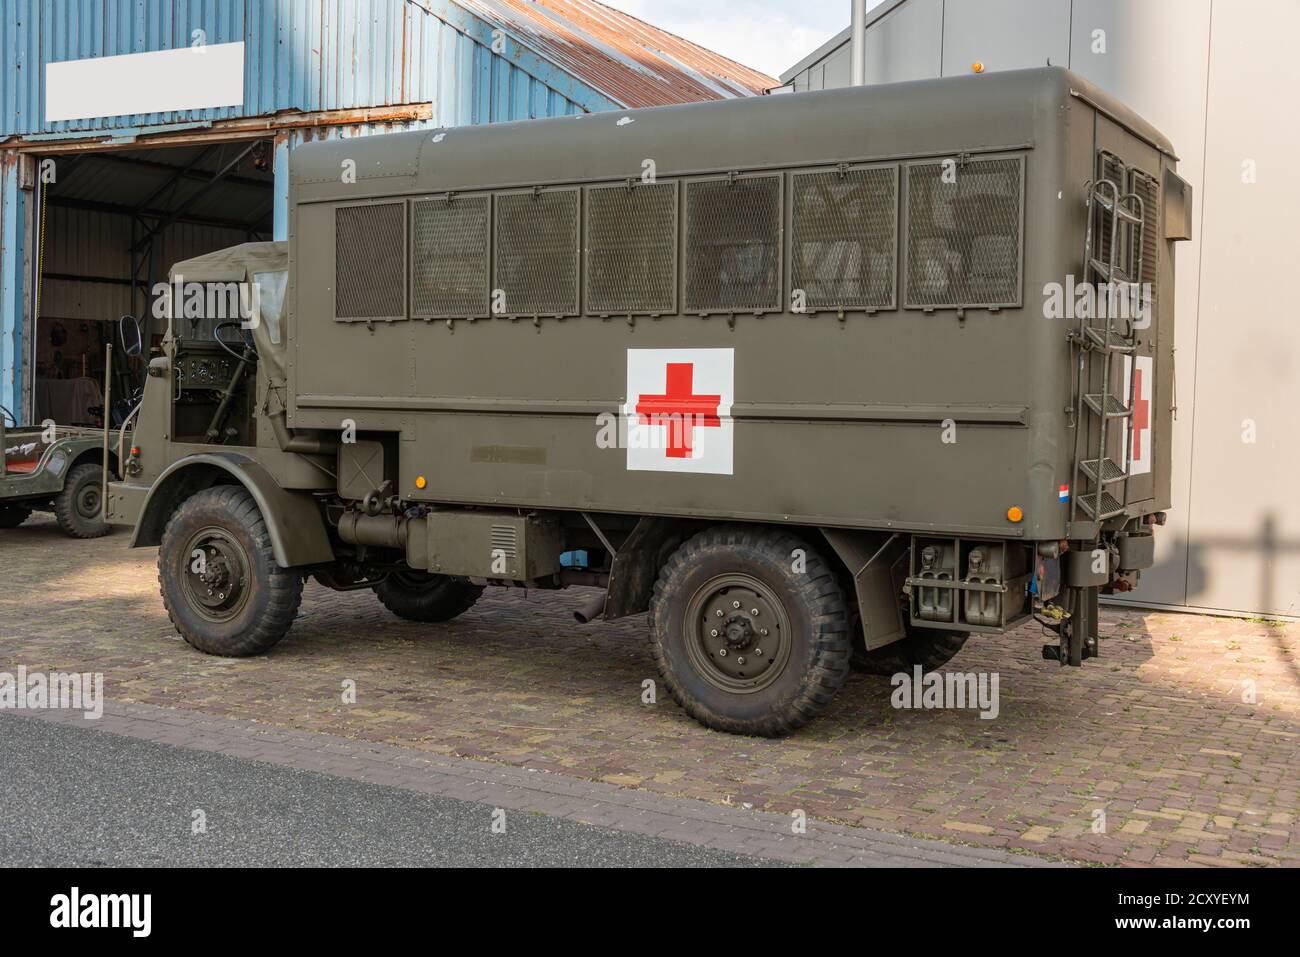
(310, 55)
(12, 283)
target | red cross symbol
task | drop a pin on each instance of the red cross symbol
(680, 410)
(1141, 416)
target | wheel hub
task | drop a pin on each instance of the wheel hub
(738, 638)
(739, 632)
(88, 502)
(217, 575)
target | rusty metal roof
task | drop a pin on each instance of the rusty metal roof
(626, 59)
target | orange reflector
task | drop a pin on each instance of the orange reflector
(420, 481)
(135, 451)
(1014, 514)
(977, 67)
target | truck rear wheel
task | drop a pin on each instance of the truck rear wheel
(219, 579)
(931, 648)
(79, 507)
(750, 631)
(11, 516)
(427, 598)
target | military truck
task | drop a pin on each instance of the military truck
(52, 468)
(813, 381)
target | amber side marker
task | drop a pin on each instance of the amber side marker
(1014, 513)
(420, 481)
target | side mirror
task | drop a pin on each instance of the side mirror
(129, 332)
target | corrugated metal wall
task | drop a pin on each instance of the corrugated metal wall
(13, 283)
(309, 55)
(95, 244)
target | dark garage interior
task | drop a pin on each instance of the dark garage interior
(114, 221)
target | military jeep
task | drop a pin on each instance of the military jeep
(56, 469)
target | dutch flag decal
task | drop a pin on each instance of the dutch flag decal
(1064, 494)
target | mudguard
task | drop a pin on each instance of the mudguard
(293, 519)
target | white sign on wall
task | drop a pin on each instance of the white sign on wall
(190, 78)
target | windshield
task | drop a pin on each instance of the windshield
(270, 300)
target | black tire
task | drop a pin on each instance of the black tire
(11, 516)
(765, 692)
(931, 648)
(78, 507)
(427, 598)
(246, 603)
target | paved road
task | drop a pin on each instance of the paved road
(76, 796)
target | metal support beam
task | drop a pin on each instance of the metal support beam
(96, 206)
(223, 131)
(172, 181)
(196, 195)
(106, 280)
(858, 46)
(188, 171)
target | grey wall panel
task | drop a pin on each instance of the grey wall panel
(1245, 516)
(1004, 34)
(906, 44)
(1166, 83)
(838, 69)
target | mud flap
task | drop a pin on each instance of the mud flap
(868, 557)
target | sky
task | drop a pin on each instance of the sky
(768, 35)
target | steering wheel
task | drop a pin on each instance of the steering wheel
(250, 347)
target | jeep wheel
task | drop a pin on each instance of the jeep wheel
(750, 631)
(79, 507)
(427, 598)
(931, 648)
(11, 516)
(220, 583)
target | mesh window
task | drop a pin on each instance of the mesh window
(631, 246)
(1149, 191)
(449, 263)
(844, 238)
(536, 263)
(963, 237)
(369, 262)
(1109, 168)
(733, 245)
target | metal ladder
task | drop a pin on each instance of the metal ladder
(1114, 270)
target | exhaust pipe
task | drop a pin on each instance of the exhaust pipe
(592, 610)
(299, 444)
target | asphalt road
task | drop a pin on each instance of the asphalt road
(79, 797)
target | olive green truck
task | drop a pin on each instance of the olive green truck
(815, 381)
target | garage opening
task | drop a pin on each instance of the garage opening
(113, 223)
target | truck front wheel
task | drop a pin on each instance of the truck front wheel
(220, 583)
(427, 598)
(750, 631)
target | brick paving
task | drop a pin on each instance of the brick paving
(1177, 747)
